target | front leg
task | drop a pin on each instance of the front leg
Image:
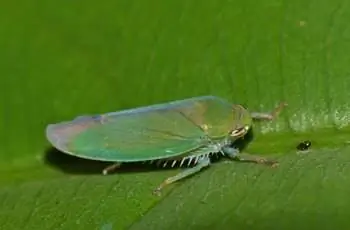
(234, 154)
(269, 116)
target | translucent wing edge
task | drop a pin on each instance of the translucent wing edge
(166, 105)
(53, 137)
(60, 134)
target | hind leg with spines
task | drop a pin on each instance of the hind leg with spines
(205, 162)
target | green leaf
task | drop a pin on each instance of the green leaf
(305, 192)
(64, 59)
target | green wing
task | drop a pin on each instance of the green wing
(217, 117)
(146, 133)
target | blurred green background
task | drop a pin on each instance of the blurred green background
(68, 58)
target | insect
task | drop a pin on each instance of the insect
(180, 132)
(305, 145)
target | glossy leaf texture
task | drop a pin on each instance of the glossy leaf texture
(63, 59)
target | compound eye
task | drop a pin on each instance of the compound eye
(239, 131)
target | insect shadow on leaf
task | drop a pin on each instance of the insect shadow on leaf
(71, 164)
(78, 166)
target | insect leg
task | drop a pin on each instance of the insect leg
(205, 162)
(234, 154)
(269, 116)
(257, 159)
(231, 152)
(110, 168)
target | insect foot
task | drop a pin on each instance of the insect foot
(271, 163)
(157, 192)
(274, 164)
(110, 168)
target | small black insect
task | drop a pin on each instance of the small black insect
(304, 145)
